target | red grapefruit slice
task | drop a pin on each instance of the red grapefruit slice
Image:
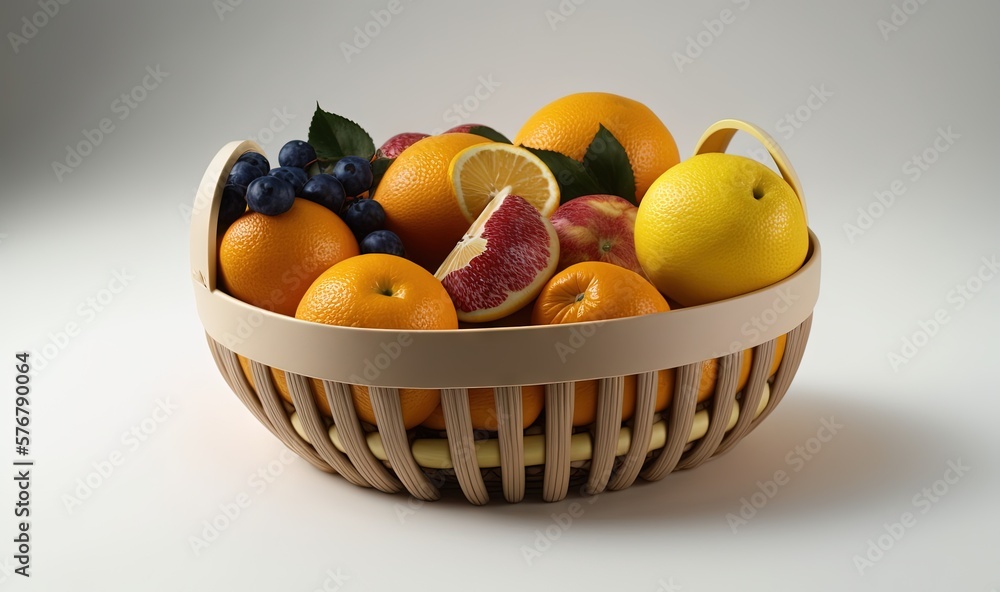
(502, 262)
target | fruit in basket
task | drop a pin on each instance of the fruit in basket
(231, 207)
(296, 153)
(281, 385)
(258, 160)
(242, 174)
(502, 262)
(717, 226)
(597, 228)
(295, 176)
(593, 291)
(479, 173)
(483, 409)
(364, 216)
(270, 196)
(381, 291)
(383, 241)
(270, 261)
(395, 145)
(419, 201)
(354, 173)
(568, 125)
(585, 397)
(325, 190)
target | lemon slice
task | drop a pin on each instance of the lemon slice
(480, 172)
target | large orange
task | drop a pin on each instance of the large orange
(387, 292)
(270, 261)
(483, 410)
(592, 291)
(568, 125)
(419, 199)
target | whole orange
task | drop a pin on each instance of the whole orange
(419, 199)
(270, 261)
(568, 125)
(483, 410)
(383, 292)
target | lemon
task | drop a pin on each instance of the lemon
(479, 173)
(717, 226)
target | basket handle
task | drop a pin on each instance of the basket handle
(205, 211)
(718, 135)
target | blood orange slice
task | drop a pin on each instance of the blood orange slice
(502, 262)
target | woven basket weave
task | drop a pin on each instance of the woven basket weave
(549, 457)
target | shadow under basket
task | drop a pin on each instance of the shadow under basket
(548, 459)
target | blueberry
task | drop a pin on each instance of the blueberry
(364, 216)
(242, 173)
(325, 190)
(296, 154)
(233, 205)
(257, 159)
(383, 241)
(355, 173)
(296, 177)
(270, 195)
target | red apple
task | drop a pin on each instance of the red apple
(597, 228)
(463, 129)
(396, 144)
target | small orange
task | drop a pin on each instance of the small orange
(568, 125)
(710, 369)
(419, 199)
(483, 409)
(595, 290)
(281, 383)
(585, 397)
(387, 292)
(270, 261)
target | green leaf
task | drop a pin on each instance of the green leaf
(379, 167)
(335, 137)
(607, 161)
(574, 180)
(489, 133)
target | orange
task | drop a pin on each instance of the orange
(270, 261)
(483, 409)
(419, 199)
(585, 397)
(568, 125)
(710, 370)
(387, 292)
(595, 290)
(281, 384)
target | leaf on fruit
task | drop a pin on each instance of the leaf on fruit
(489, 133)
(573, 179)
(335, 137)
(607, 162)
(379, 167)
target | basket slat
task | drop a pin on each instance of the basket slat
(353, 439)
(389, 417)
(462, 444)
(722, 405)
(795, 346)
(510, 419)
(679, 425)
(642, 430)
(610, 393)
(558, 431)
(763, 355)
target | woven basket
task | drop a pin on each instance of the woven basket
(550, 457)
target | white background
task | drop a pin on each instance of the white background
(61, 242)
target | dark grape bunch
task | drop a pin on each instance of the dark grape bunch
(253, 184)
